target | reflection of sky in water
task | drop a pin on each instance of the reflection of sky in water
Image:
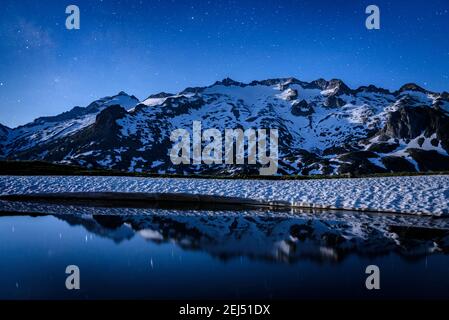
(35, 251)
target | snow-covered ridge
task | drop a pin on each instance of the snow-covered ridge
(314, 117)
(47, 129)
(324, 127)
(412, 195)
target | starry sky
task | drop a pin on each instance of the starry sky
(147, 46)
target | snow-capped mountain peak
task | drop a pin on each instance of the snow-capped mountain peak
(47, 129)
(325, 127)
(412, 87)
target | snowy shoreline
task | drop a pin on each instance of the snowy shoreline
(427, 195)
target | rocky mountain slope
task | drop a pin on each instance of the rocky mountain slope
(4, 131)
(325, 127)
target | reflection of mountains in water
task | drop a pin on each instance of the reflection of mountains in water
(282, 236)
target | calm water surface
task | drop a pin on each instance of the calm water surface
(200, 254)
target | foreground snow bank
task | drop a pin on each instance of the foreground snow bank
(417, 195)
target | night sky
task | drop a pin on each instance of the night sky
(143, 47)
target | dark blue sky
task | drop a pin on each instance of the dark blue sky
(147, 46)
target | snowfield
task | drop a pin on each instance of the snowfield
(413, 195)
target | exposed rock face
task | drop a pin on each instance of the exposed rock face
(106, 120)
(411, 87)
(398, 164)
(338, 87)
(302, 109)
(372, 89)
(4, 132)
(162, 95)
(334, 102)
(325, 127)
(409, 123)
(383, 147)
(429, 160)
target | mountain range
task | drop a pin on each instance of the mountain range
(324, 127)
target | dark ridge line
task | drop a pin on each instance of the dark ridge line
(33, 214)
(183, 200)
(138, 197)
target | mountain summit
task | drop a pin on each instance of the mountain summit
(324, 127)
